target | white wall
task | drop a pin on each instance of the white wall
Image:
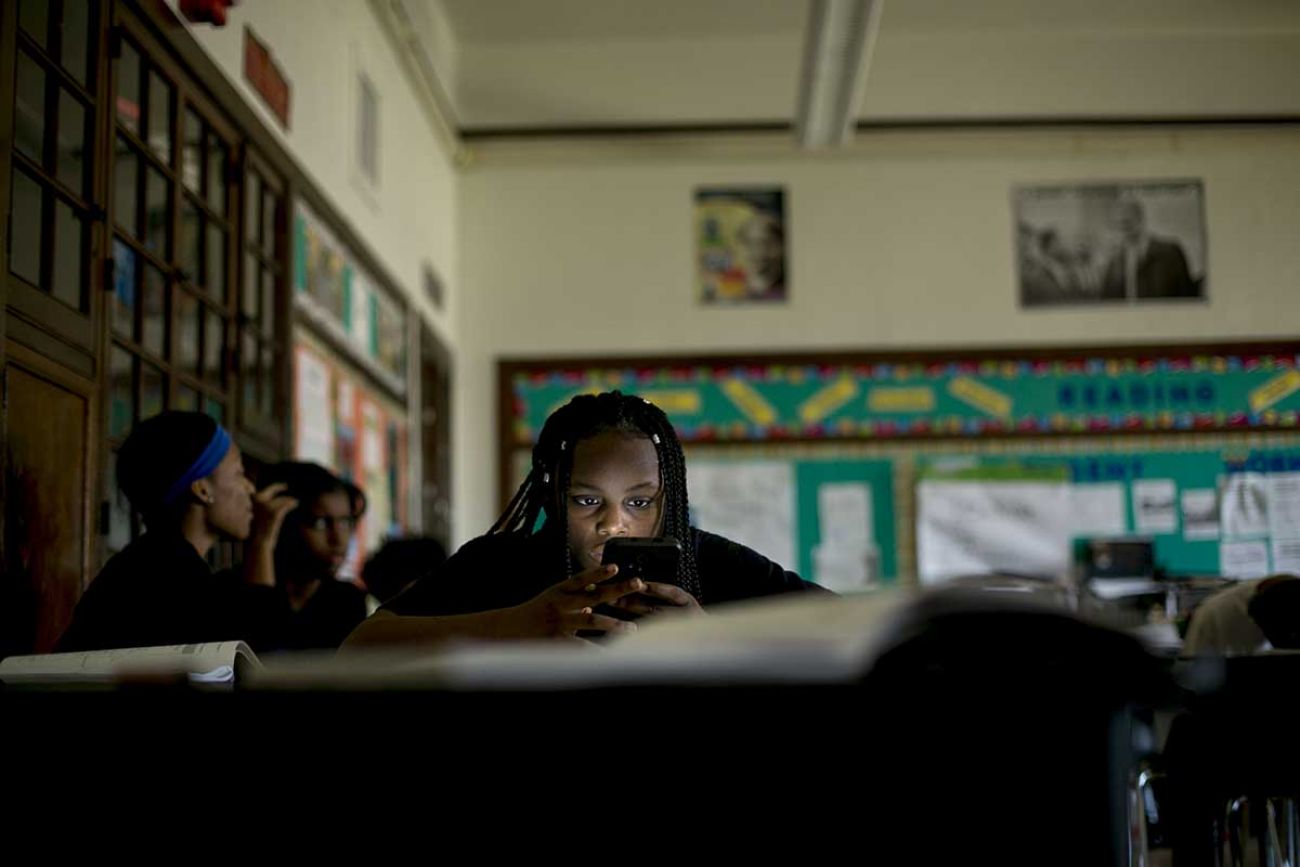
(319, 45)
(903, 241)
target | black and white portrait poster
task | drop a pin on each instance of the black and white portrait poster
(1117, 243)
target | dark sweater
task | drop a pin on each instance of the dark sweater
(507, 569)
(159, 591)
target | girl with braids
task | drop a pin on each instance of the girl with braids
(605, 465)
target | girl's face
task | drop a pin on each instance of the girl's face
(327, 524)
(230, 514)
(614, 490)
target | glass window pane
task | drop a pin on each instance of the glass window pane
(190, 253)
(121, 400)
(268, 221)
(153, 311)
(192, 155)
(252, 207)
(125, 177)
(29, 108)
(187, 399)
(268, 383)
(185, 349)
(128, 88)
(214, 409)
(151, 391)
(72, 142)
(216, 253)
(160, 116)
(70, 244)
(248, 372)
(214, 347)
(156, 195)
(248, 302)
(216, 190)
(25, 228)
(268, 304)
(34, 17)
(123, 301)
(77, 32)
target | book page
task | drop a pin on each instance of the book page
(214, 662)
(791, 638)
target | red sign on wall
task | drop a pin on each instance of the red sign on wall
(262, 72)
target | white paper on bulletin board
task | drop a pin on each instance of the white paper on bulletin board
(314, 427)
(374, 476)
(359, 316)
(968, 527)
(750, 502)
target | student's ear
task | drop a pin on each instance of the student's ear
(202, 490)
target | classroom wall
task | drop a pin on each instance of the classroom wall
(319, 45)
(904, 240)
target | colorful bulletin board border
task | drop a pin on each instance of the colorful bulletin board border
(942, 394)
(926, 394)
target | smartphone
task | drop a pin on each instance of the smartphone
(648, 559)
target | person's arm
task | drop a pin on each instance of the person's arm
(386, 629)
(269, 510)
(559, 611)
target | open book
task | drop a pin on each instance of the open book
(212, 663)
(791, 639)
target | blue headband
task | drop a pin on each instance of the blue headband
(202, 467)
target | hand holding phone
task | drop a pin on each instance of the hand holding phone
(656, 562)
(652, 560)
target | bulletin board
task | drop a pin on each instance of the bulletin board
(355, 430)
(1221, 508)
(1157, 413)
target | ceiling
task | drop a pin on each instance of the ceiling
(578, 64)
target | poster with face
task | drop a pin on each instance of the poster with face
(1115, 243)
(740, 245)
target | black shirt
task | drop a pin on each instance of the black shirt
(507, 569)
(329, 616)
(159, 591)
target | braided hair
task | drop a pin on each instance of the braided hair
(545, 490)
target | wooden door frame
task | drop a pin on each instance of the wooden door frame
(34, 363)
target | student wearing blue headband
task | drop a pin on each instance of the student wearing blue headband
(185, 476)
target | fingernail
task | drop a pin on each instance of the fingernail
(586, 611)
(611, 569)
(590, 588)
(631, 627)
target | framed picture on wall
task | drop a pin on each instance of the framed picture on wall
(1114, 243)
(740, 245)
